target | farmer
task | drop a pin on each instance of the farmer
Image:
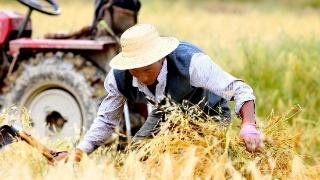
(151, 67)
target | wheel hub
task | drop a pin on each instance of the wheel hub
(55, 122)
(55, 113)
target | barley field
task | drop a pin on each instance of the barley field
(273, 46)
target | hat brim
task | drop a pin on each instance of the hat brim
(165, 47)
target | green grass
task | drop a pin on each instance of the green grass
(283, 74)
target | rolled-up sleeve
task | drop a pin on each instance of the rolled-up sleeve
(108, 117)
(208, 75)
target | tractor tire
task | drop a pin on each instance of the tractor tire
(62, 93)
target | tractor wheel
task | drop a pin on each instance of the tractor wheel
(62, 93)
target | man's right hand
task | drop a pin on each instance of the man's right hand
(76, 155)
(61, 155)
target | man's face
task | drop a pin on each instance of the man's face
(148, 74)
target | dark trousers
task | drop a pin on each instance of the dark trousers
(150, 128)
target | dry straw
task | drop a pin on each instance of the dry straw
(217, 149)
(189, 145)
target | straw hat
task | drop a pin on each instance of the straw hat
(141, 46)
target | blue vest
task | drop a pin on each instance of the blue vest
(178, 85)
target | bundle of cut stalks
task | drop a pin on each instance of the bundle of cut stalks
(190, 139)
(190, 145)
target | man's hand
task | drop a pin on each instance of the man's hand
(61, 155)
(251, 136)
(76, 155)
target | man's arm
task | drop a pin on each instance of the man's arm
(108, 117)
(248, 130)
(206, 74)
(247, 113)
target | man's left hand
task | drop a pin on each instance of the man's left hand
(251, 136)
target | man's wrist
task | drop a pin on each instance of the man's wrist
(247, 113)
(85, 146)
(78, 150)
(248, 122)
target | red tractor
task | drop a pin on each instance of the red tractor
(60, 81)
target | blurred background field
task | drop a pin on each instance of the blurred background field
(273, 45)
